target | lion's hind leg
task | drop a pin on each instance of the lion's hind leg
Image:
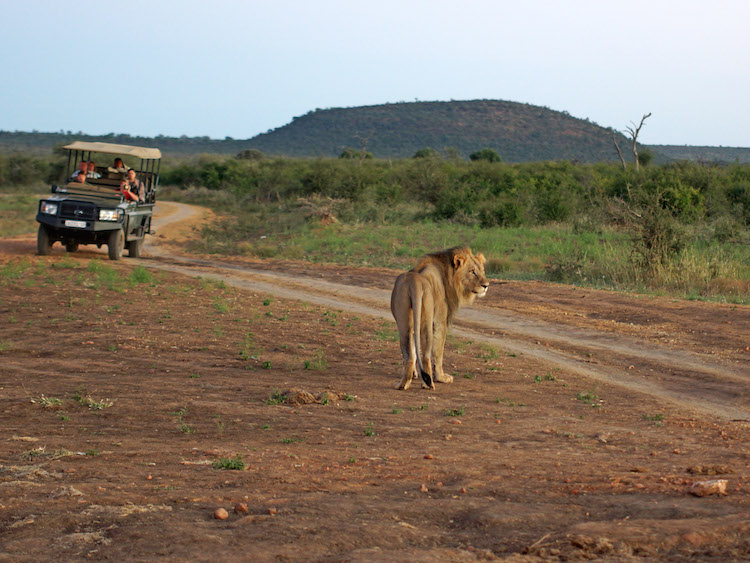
(409, 359)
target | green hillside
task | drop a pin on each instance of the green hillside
(518, 132)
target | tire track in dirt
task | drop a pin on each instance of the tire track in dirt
(692, 381)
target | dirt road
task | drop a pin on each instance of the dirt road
(135, 402)
(713, 377)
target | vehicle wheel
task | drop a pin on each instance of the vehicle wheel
(71, 246)
(116, 244)
(43, 241)
(135, 247)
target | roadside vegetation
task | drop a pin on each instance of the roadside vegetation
(681, 228)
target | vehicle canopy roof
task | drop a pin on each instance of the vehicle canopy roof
(109, 148)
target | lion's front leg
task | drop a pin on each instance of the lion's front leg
(440, 335)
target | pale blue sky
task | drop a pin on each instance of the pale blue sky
(231, 68)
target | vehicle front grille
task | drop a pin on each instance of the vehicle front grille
(77, 210)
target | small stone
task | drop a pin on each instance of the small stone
(271, 511)
(455, 421)
(423, 488)
(221, 514)
(429, 456)
(240, 508)
(463, 490)
(706, 488)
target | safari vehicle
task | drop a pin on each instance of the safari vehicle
(97, 212)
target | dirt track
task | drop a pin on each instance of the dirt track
(580, 439)
(712, 380)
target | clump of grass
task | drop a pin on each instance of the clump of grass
(460, 411)
(104, 275)
(230, 463)
(387, 334)
(589, 398)
(184, 426)
(275, 398)
(13, 271)
(47, 402)
(548, 377)
(292, 440)
(221, 306)
(369, 430)
(509, 402)
(319, 363)
(141, 275)
(488, 353)
(85, 400)
(657, 419)
(42, 453)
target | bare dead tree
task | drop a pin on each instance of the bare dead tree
(321, 208)
(619, 152)
(364, 141)
(633, 130)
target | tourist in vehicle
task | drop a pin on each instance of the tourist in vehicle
(135, 185)
(119, 166)
(83, 166)
(91, 170)
(125, 190)
(80, 177)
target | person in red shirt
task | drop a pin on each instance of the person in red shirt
(125, 190)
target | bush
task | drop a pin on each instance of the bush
(485, 154)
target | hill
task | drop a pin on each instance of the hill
(704, 154)
(518, 132)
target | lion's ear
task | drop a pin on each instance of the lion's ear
(481, 259)
(458, 261)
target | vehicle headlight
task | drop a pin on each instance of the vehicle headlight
(108, 214)
(49, 208)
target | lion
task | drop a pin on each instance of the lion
(424, 301)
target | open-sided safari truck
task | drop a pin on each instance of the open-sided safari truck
(97, 212)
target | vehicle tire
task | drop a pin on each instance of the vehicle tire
(135, 247)
(71, 246)
(116, 244)
(43, 241)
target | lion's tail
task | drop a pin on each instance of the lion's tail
(416, 307)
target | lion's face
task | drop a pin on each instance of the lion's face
(470, 276)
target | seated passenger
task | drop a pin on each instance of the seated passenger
(91, 170)
(83, 166)
(136, 186)
(125, 190)
(79, 177)
(118, 166)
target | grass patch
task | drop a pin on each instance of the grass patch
(84, 399)
(229, 463)
(47, 402)
(319, 363)
(460, 411)
(589, 397)
(292, 440)
(275, 398)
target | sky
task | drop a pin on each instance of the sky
(231, 68)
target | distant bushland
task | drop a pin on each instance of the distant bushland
(680, 227)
